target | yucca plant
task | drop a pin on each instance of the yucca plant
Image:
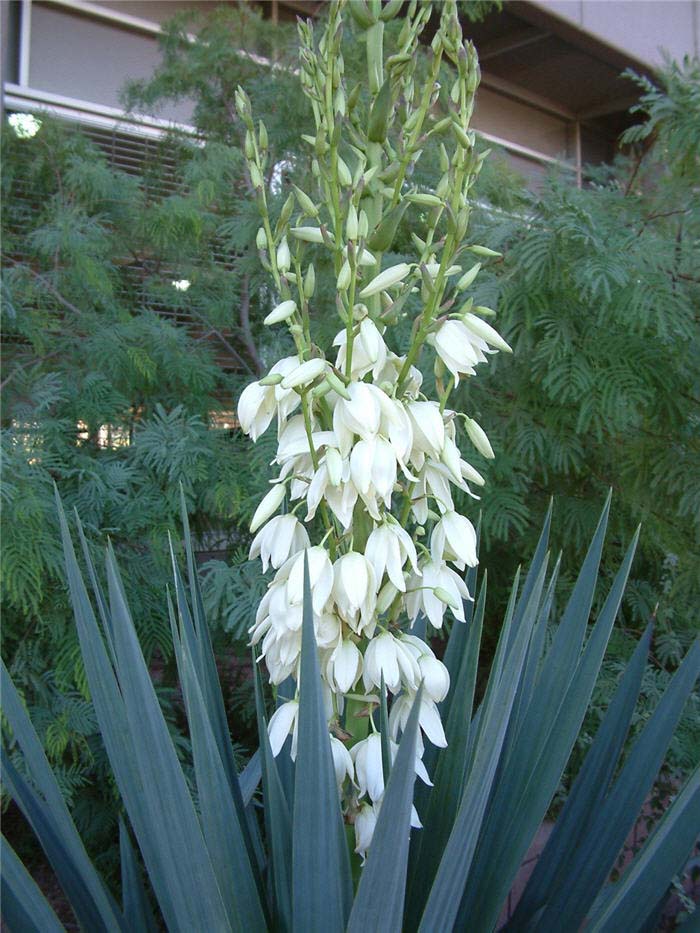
(375, 460)
(214, 862)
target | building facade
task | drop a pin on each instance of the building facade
(552, 90)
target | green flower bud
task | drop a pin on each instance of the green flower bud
(344, 277)
(444, 159)
(390, 9)
(484, 251)
(305, 202)
(461, 136)
(417, 242)
(379, 114)
(344, 176)
(425, 200)
(261, 238)
(383, 237)
(255, 176)
(272, 379)
(468, 277)
(284, 257)
(391, 276)
(281, 312)
(361, 14)
(249, 146)
(352, 226)
(309, 282)
(307, 234)
(286, 212)
(337, 385)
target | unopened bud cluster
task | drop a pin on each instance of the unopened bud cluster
(366, 463)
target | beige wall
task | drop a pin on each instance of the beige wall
(640, 28)
(89, 59)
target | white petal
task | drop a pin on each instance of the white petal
(431, 724)
(268, 506)
(280, 724)
(346, 667)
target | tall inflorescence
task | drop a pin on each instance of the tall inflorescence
(365, 461)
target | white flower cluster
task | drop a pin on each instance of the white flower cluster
(351, 454)
(367, 464)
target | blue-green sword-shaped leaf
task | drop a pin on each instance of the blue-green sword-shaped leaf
(321, 880)
(379, 902)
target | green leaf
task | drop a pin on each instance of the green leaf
(627, 904)
(47, 813)
(195, 635)
(178, 861)
(223, 832)
(250, 777)
(380, 896)
(322, 890)
(384, 730)
(137, 910)
(24, 907)
(278, 821)
(443, 902)
(211, 688)
(534, 763)
(554, 868)
(613, 820)
(449, 775)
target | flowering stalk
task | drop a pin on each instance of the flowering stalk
(359, 444)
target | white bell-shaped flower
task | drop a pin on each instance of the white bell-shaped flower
(342, 499)
(454, 539)
(459, 348)
(258, 404)
(386, 655)
(428, 427)
(435, 677)
(365, 823)
(388, 548)
(278, 540)
(368, 350)
(283, 721)
(344, 666)
(327, 629)
(359, 415)
(367, 758)
(434, 483)
(428, 718)
(373, 468)
(390, 374)
(320, 578)
(256, 409)
(281, 649)
(342, 762)
(268, 506)
(479, 327)
(422, 595)
(355, 591)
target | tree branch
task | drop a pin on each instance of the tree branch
(244, 316)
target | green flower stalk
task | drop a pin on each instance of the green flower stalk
(367, 462)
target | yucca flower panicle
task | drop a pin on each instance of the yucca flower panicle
(367, 463)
